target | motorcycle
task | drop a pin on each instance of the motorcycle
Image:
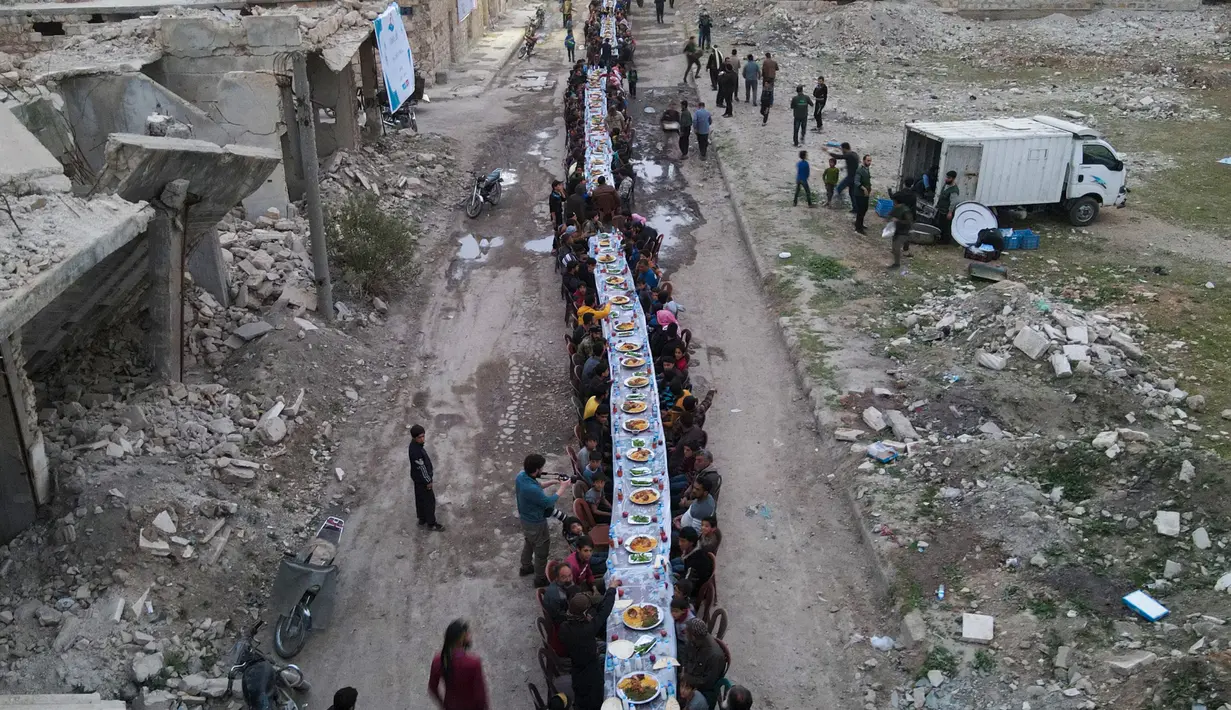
(486, 189)
(405, 116)
(304, 589)
(539, 17)
(266, 685)
(527, 45)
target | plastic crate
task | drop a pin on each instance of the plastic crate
(1012, 241)
(1029, 240)
(883, 206)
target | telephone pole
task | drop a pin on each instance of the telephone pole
(311, 174)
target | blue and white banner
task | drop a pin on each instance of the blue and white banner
(396, 62)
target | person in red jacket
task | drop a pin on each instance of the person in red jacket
(460, 671)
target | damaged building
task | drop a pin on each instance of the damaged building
(124, 141)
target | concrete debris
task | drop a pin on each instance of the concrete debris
(146, 667)
(1132, 662)
(978, 628)
(1201, 539)
(902, 428)
(990, 361)
(1060, 365)
(1167, 522)
(251, 331)
(874, 419)
(1172, 569)
(1031, 342)
(1187, 471)
(848, 434)
(164, 523)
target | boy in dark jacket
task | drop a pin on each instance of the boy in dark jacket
(422, 475)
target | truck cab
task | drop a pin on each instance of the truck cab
(1095, 177)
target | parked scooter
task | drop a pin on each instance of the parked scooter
(539, 18)
(304, 590)
(266, 685)
(486, 190)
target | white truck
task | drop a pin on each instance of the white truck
(1032, 163)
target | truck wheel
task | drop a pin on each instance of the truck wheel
(1083, 211)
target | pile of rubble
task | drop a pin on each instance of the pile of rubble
(906, 29)
(23, 257)
(999, 325)
(406, 172)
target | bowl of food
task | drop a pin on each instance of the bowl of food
(639, 455)
(642, 617)
(636, 426)
(644, 496)
(638, 688)
(637, 381)
(630, 406)
(641, 543)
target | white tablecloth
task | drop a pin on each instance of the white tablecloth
(641, 583)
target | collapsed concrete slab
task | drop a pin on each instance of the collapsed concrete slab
(25, 165)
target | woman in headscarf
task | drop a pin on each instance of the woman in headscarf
(459, 671)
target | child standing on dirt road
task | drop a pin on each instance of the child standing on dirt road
(802, 171)
(830, 176)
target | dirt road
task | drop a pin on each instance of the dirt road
(490, 386)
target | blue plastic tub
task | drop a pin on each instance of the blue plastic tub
(883, 206)
(1029, 240)
(1012, 241)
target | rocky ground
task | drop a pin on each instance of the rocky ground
(1054, 442)
(175, 501)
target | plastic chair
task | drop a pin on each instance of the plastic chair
(572, 457)
(536, 697)
(580, 434)
(550, 672)
(717, 623)
(726, 653)
(579, 489)
(581, 509)
(686, 336)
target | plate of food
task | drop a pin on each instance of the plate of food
(621, 300)
(642, 617)
(632, 361)
(641, 482)
(640, 455)
(628, 347)
(637, 381)
(638, 688)
(604, 242)
(644, 496)
(606, 258)
(640, 558)
(640, 471)
(616, 280)
(630, 406)
(640, 519)
(636, 425)
(641, 543)
(638, 443)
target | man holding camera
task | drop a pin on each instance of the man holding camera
(534, 507)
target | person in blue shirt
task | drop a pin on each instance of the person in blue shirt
(571, 45)
(701, 121)
(802, 171)
(534, 507)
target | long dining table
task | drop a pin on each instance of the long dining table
(641, 506)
